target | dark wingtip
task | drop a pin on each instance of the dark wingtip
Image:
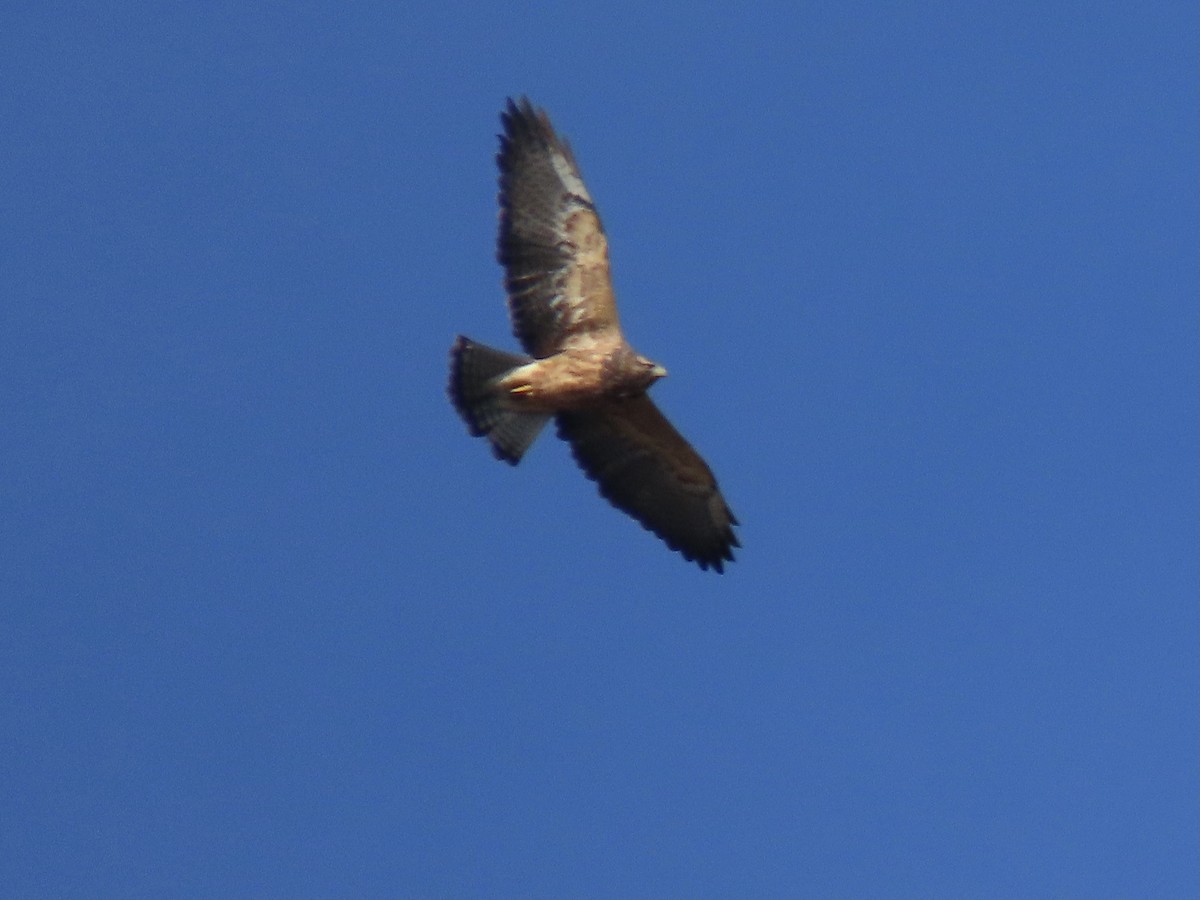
(713, 557)
(718, 560)
(518, 109)
(524, 122)
(517, 118)
(718, 555)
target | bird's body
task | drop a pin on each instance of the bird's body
(577, 378)
(580, 369)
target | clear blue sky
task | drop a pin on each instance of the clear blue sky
(273, 625)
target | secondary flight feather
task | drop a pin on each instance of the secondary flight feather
(579, 370)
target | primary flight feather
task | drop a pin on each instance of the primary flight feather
(580, 369)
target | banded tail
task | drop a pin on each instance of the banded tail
(474, 369)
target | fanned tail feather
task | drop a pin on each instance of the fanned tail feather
(474, 369)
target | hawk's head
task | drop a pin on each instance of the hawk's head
(627, 374)
(653, 371)
(646, 372)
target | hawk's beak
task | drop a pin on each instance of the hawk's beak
(658, 372)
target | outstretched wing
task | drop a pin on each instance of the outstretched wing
(644, 467)
(552, 245)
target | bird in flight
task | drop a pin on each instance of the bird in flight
(579, 370)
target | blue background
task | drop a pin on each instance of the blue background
(925, 277)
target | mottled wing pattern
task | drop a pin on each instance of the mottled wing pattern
(552, 245)
(645, 467)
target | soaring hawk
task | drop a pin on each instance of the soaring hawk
(580, 368)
